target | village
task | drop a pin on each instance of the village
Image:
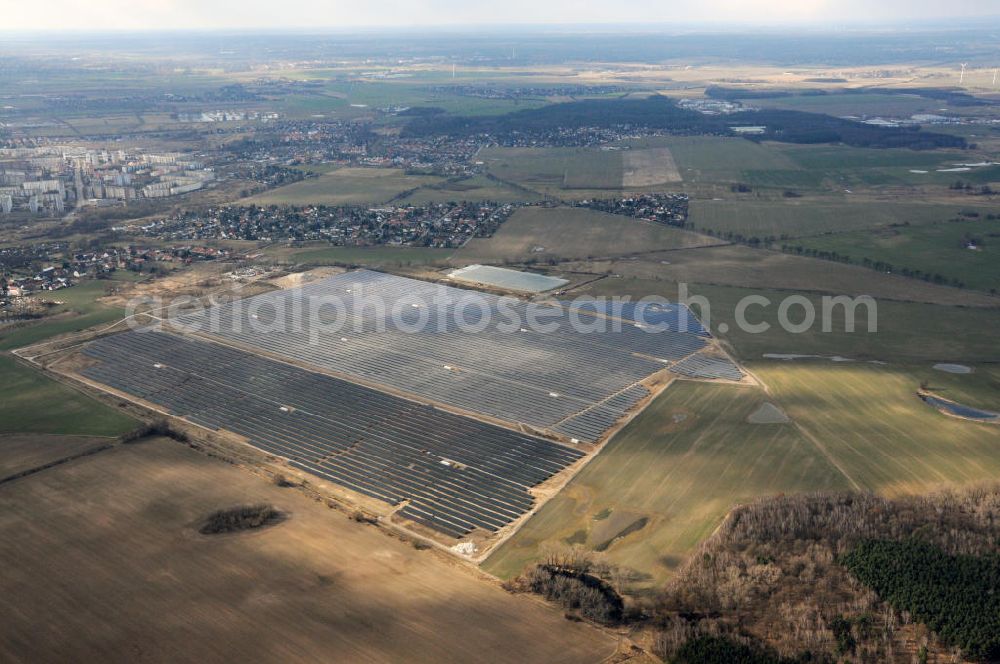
(444, 225)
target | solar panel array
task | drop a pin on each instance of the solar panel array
(367, 325)
(593, 422)
(708, 366)
(676, 317)
(457, 473)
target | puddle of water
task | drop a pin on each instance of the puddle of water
(960, 410)
(953, 368)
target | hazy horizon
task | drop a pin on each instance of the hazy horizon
(312, 15)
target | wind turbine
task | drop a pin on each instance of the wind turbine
(994, 77)
(962, 75)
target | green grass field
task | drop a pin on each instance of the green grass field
(79, 310)
(32, 403)
(345, 186)
(881, 434)
(815, 216)
(681, 464)
(935, 249)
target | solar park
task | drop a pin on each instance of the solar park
(457, 473)
(541, 378)
(455, 425)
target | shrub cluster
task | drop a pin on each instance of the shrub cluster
(242, 517)
(574, 589)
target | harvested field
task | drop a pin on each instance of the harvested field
(556, 170)
(22, 452)
(647, 168)
(537, 234)
(144, 585)
(345, 186)
(805, 217)
(737, 265)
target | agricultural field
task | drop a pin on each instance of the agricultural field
(552, 170)
(907, 331)
(345, 186)
(30, 402)
(815, 169)
(648, 167)
(881, 434)
(154, 587)
(340, 99)
(738, 265)
(966, 251)
(475, 188)
(370, 256)
(710, 159)
(806, 217)
(25, 452)
(540, 234)
(665, 482)
(855, 104)
(576, 173)
(840, 166)
(978, 389)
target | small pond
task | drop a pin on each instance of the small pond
(960, 410)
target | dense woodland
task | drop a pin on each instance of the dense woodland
(954, 97)
(779, 574)
(956, 596)
(658, 113)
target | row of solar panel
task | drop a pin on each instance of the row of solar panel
(708, 366)
(352, 322)
(676, 317)
(458, 474)
(593, 422)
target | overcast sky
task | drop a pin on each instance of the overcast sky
(278, 14)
